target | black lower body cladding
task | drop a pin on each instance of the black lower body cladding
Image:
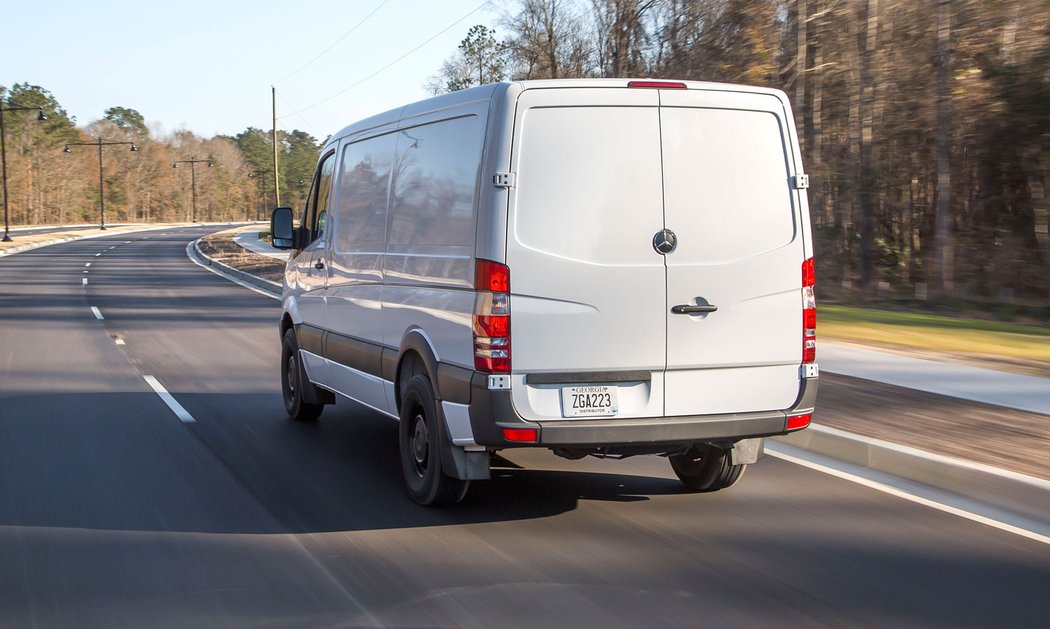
(492, 411)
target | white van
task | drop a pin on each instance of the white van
(598, 267)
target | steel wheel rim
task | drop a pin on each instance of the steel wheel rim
(419, 445)
(292, 370)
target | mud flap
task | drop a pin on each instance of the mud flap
(746, 451)
(458, 462)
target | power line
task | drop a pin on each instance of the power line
(387, 66)
(336, 42)
(304, 120)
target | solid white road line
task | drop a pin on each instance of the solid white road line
(175, 407)
(226, 276)
(97, 313)
(910, 491)
(85, 281)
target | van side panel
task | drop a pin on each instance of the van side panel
(431, 226)
(355, 275)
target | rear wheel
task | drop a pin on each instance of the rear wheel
(294, 381)
(706, 468)
(421, 438)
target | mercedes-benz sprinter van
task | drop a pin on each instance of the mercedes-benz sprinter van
(597, 267)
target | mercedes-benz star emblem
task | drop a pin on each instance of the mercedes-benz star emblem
(665, 241)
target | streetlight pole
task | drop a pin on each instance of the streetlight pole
(3, 158)
(100, 142)
(193, 177)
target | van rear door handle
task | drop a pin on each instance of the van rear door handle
(688, 309)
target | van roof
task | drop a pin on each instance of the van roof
(487, 92)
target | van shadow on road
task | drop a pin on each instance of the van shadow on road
(121, 461)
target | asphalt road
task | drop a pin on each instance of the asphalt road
(113, 512)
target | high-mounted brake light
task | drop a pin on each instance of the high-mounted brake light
(662, 85)
(491, 319)
(809, 314)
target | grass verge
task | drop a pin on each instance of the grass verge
(1026, 348)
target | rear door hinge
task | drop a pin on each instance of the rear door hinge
(503, 180)
(800, 182)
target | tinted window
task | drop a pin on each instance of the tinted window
(316, 211)
(363, 181)
(432, 193)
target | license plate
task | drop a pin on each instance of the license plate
(593, 401)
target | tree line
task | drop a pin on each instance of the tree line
(47, 185)
(925, 125)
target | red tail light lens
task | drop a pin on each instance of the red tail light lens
(809, 314)
(491, 319)
(521, 435)
(795, 422)
(491, 276)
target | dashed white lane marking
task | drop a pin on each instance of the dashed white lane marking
(88, 264)
(85, 270)
(127, 242)
(85, 281)
(113, 247)
(120, 341)
(172, 403)
(98, 254)
(97, 313)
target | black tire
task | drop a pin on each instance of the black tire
(706, 468)
(421, 437)
(293, 382)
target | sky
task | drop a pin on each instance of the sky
(208, 66)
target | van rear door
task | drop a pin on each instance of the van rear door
(727, 197)
(588, 294)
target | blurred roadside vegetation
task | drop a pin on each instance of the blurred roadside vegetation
(924, 124)
(49, 186)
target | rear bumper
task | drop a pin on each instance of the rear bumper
(492, 411)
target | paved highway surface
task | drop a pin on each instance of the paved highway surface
(114, 512)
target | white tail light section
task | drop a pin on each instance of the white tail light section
(492, 317)
(809, 314)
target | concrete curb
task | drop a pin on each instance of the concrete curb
(271, 288)
(1018, 493)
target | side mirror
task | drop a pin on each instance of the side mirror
(282, 234)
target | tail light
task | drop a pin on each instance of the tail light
(491, 317)
(809, 314)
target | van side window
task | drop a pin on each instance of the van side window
(363, 182)
(435, 179)
(315, 214)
